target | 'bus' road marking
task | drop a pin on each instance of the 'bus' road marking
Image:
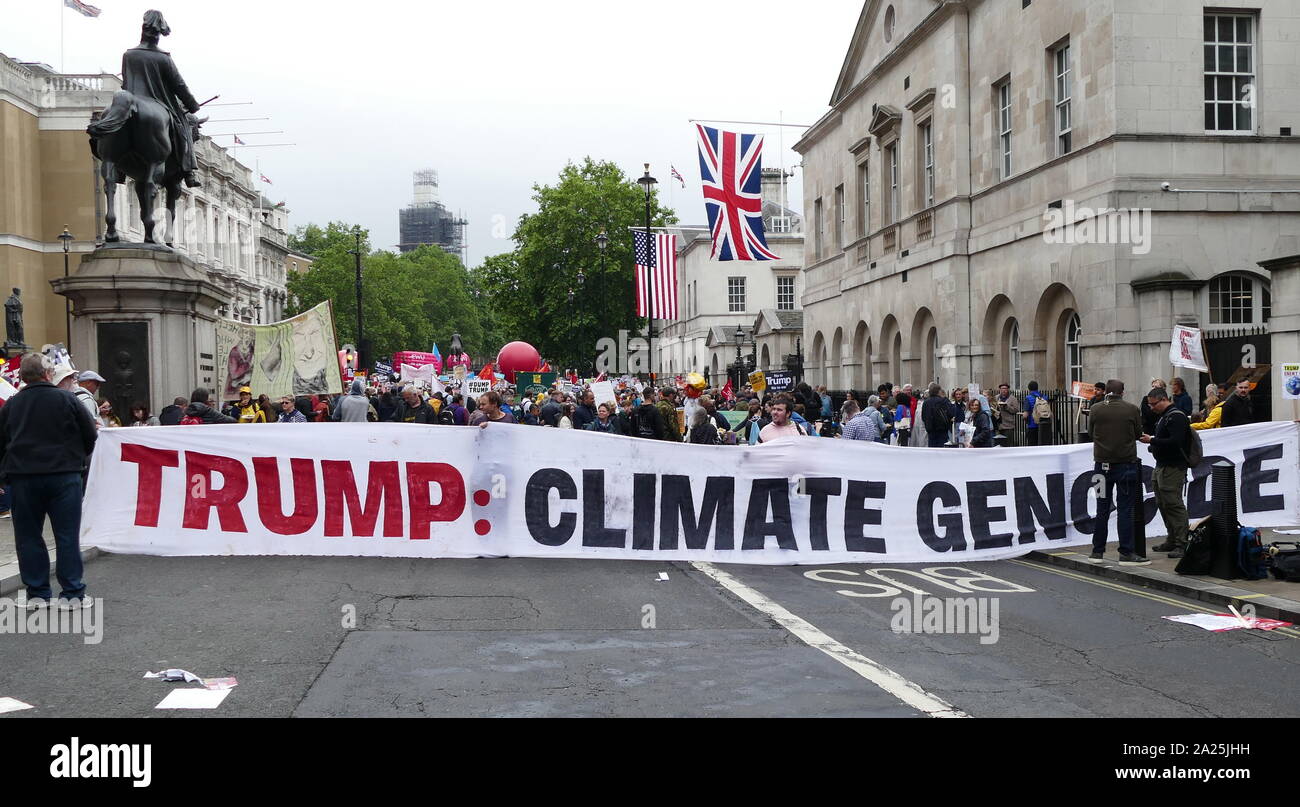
(883, 677)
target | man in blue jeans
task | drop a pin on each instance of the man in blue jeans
(1115, 426)
(46, 436)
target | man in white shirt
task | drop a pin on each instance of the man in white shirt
(781, 425)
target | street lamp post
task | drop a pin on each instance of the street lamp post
(66, 238)
(361, 342)
(602, 242)
(647, 183)
(740, 337)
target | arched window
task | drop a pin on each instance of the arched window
(1013, 356)
(1239, 300)
(1073, 352)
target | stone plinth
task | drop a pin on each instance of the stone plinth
(144, 319)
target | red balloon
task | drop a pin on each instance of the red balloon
(517, 357)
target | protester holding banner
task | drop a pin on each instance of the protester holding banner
(413, 408)
(489, 410)
(1169, 444)
(781, 425)
(1115, 426)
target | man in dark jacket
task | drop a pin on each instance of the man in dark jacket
(936, 415)
(46, 437)
(1169, 443)
(586, 411)
(1237, 410)
(414, 409)
(552, 409)
(171, 415)
(1115, 426)
(647, 422)
(200, 409)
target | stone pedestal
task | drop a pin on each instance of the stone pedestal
(1284, 320)
(144, 319)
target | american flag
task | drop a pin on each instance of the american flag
(656, 275)
(85, 9)
(731, 169)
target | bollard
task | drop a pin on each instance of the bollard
(1223, 521)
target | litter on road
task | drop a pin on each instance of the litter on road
(13, 705)
(1222, 622)
(193, 698)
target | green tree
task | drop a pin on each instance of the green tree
(409, 301)
(530, 286)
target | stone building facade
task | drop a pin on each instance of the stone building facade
(954, 189)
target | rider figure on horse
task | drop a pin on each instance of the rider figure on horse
(148, 72)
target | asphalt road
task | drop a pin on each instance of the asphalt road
(528, 637)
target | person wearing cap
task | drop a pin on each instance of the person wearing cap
(46, 438)
(247, 410)
(200, 411)
(86, 388)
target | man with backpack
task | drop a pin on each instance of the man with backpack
(936, 414)
(1170, 446)
(648, 423)
(1038, 428)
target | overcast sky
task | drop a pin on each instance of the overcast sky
(494, 95)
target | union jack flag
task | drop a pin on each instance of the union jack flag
(86, 9)
(656, 275)
(731, 169)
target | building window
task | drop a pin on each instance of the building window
(1073, 352)
(888, 29)
(1239, 300)
(1229, 72)
(818, 228)
(1064, 122)
(736, 294)
(864, 201)
(785, 293)
(780, 224)
(927, 165)
(839, 216)
(1013, 356)
(1004, 129)
(891, 160)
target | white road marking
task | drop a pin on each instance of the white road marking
(808, 633)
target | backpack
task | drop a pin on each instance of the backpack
(190, 420)
(1195, 452)
(1197, 555)
(1284, 561)
(446, 417)
(1251, 557)
(937, 418)
(643, 426)
(1042, 409)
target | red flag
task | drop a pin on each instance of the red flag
(726, 391)
(486, 372)
(600, 378)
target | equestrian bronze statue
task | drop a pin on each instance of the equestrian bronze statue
(147, 133)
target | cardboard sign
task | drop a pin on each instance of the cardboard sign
(1291, 382)
(458, 372)
(477, 386)
(1082, 389)
(604, 392)
(758, 381)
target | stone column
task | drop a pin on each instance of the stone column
(1284, 320)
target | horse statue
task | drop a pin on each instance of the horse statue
(147, 132)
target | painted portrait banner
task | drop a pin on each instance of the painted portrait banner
(406, 490)
(296, 356)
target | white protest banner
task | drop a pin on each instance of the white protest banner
(477, 386)
(1185, 349)
(7, 390)
(604, 392)
(511, 490)
(424, 373)
(1291, 381)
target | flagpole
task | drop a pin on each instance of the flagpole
(63, 66)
